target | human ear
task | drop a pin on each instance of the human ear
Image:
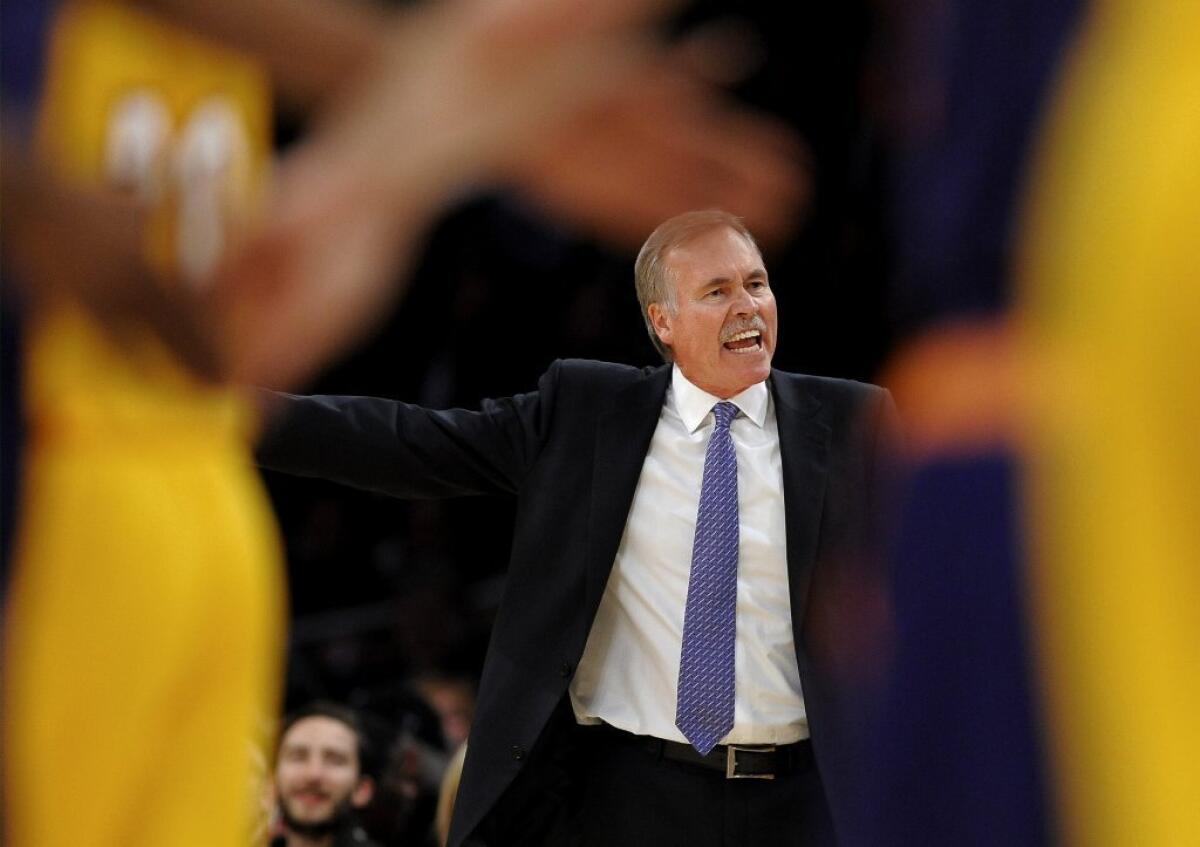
(363, 792)
(660, 319)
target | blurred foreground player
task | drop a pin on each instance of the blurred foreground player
(144, 627)
(145, 618)
(1111, 320)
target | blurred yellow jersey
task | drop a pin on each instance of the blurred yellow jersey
(1111, 311)
(144, 626)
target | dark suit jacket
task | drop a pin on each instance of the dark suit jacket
(572, 452)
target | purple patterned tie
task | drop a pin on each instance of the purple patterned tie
(704, 711)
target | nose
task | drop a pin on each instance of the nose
(743, 303)
(311, 770)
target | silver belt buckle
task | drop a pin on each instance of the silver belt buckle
(731, 762)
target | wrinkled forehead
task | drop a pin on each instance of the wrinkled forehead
(693, 244)
(692, 236)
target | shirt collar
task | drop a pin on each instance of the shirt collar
(693, 404)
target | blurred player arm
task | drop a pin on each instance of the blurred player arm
(573, 102)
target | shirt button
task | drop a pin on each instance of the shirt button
(518, 752)
(565, 669)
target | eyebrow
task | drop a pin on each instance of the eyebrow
(757, 273)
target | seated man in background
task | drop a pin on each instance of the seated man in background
(323, 776)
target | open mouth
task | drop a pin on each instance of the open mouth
(749, 341)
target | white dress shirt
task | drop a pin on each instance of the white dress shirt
(629, 673)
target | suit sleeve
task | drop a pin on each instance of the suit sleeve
(408, 451)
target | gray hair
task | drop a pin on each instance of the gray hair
(654, 276)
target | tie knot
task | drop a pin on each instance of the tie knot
(724, 413)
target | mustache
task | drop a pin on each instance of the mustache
(754, 322)
(310, 788)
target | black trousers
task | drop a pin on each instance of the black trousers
(594, 787)
(626, 796)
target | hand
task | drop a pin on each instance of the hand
(84, 246)
(670, 144)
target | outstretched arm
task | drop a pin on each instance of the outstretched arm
(408, 451)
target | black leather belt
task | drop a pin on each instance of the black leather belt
(735, 761)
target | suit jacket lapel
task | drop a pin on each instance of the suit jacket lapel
(804, 451)
(622, 439)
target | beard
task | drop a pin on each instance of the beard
(342, 815)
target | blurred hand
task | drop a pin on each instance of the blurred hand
(668, 144)
(85, 246)
(570, 99)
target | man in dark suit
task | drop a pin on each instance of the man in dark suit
(667, 665)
